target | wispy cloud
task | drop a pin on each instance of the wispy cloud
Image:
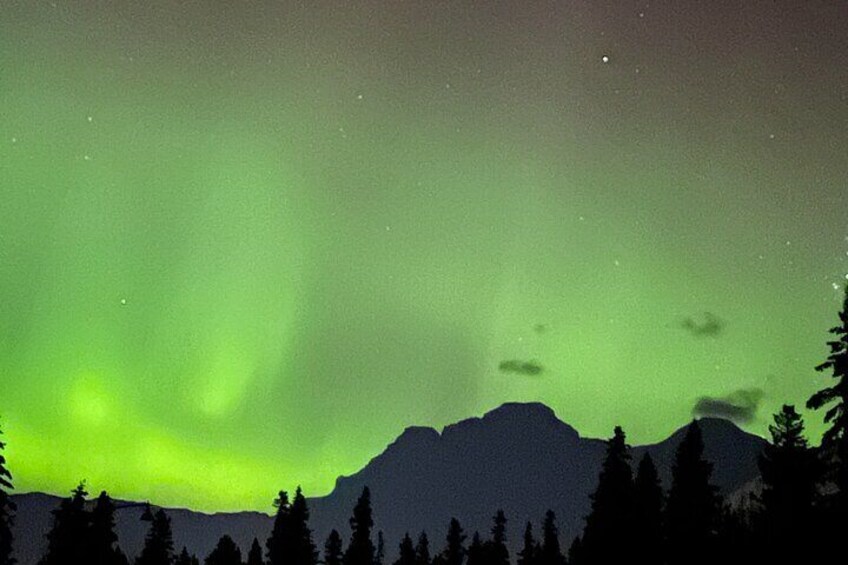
(739, 406)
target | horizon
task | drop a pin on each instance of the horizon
(249, 243)
(210, 511)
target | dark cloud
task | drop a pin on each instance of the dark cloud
(708, 325)
(530, 368)
(739, 406)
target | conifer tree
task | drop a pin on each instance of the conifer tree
(648, 533)
(422, 550)
(790, 473)
(102, 536)
(360, 551)
(303, 550)
(454, 552)
(159, 543)
(609, 527)
(254, 556)
(495, 551)
(67, 541)
(280, 538)
(835, 439)
(692, 510)
(406, 551)
(551, 553)
(184, 558)
(7, 510)
(527, 555)
(475, 551)
(226, 552)
(333, 549)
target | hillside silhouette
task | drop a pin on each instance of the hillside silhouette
(519, 457)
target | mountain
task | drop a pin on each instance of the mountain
(518, 457)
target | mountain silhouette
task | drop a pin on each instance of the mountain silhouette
(519, 457)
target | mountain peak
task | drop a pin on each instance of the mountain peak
(522, 409)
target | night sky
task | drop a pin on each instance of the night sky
(244, 244)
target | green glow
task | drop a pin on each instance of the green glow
(241, 248)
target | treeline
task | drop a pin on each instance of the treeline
(798, 515)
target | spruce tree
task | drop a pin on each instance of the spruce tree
(67, 541)
(648, 533)
(303, 551)
(7, 510)
(422, 550)
(454, 552)
(527, 555)
(333, 549)
(551, 553)
(280, 538)
(406, 551)
(495, 551)
(184, 558)
(692, 510)
(102, 536)
(159, 544)
(835, 439)
(226, 552)
(609, 526)
(790, 473)
(254, 556)
(476, 555)
(360, 551)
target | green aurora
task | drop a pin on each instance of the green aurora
(244, 244)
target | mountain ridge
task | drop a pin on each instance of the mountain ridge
(519, 456)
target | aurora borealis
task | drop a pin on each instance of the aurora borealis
(244, 244)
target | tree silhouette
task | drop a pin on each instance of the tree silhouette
(226, 552)
(406, 551)
(67, 539)
(608, 531)
(254, 556)
(475, 551)
(303, 551)
(454, 552)
(101, 535)
(333, 549)
(280, 538)
(360, 551)
(693, 506)
(185, 559)
(648, 534)
(551, 553)
(422, 550)
(790, 474)
(529, 550)
(159, 543)
(835, 438)
(495, 551)
(7, 510)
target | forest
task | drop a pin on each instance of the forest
(797, 514)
